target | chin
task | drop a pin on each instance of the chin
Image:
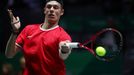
(52, 21)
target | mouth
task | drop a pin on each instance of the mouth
(51, 15)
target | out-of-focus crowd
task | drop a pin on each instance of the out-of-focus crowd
(8, 69)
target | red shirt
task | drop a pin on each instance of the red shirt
(40, 49)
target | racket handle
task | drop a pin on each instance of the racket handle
(73, 44)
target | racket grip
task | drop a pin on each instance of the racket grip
(73, 44)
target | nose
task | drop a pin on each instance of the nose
(51, 9)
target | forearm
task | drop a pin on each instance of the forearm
(10, 47)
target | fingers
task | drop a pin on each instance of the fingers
(67, 41)
(17, 18)
(64, 47)
(11, 15)
(14, 20)
(63, 44)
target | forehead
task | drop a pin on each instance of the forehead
(53, 3)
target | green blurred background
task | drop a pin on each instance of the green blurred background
(78, 63)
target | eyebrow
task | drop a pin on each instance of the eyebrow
(54, 5)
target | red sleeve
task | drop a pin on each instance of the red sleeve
(64, 36)
(21, 37)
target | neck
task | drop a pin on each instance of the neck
(47, 25)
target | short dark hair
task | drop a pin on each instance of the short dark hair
(60, 1)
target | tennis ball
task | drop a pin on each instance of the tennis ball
(100, 51)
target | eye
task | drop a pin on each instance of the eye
(49, 6)
(56, 7)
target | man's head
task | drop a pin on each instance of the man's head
(59, 1)
(53, 10)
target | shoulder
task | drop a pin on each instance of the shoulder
(64, 35)
(61, 29)
(29, 26)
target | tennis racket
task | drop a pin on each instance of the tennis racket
(109, 39)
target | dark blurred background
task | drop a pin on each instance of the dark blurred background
(81, 19)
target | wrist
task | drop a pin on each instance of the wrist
(15, 31)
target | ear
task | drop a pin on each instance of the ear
(62, 12)
(44, 10)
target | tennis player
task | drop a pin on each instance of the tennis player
(43, 45)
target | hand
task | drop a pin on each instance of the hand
(64, 48)
(15, 22)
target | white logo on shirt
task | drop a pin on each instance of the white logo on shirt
(29, 37)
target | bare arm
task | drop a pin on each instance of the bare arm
(64, 50)
(11, 48)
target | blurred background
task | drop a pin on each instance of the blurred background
(82, 18)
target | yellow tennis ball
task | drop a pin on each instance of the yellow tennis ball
(100, 51)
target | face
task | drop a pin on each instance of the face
(53, 11)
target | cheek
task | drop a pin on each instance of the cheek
(58, 13)
(45, 11)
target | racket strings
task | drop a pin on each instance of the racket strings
(111, 40)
